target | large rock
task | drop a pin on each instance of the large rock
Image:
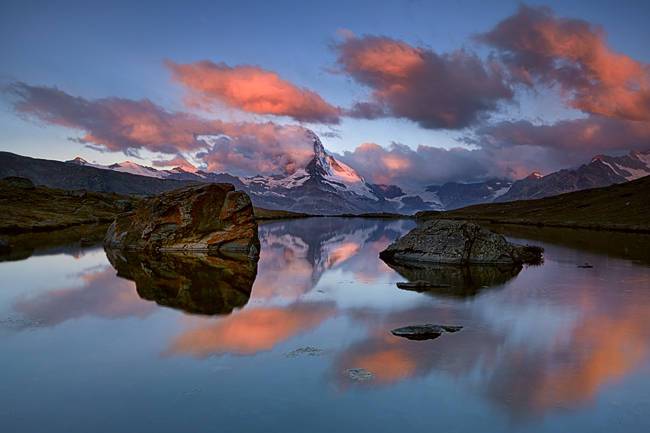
(459, 243)
(211, 218)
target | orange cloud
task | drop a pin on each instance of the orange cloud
(251, 89)
(536, 44)
(251, 331)
(435, 90)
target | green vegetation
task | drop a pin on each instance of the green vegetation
(621, 207)
(28, 208)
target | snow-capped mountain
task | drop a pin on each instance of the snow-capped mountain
(601, 171)
(328, 186)
(324, 186)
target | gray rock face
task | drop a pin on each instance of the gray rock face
(458, 243)
(424, 332)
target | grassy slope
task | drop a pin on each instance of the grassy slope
(46, 209)
(624, 207)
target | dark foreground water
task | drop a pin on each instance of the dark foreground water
(547, 349)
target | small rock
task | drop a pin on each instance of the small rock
(424, 332)
(359, 374)
(585, 265)
(305, 351)
(420, 285)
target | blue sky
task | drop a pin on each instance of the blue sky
(117, 49)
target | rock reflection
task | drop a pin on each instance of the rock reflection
(457, 281)
(194, 283)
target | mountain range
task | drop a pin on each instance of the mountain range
(326, 185)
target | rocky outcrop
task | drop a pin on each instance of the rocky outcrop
(197, 283)
(458, 243)
(211, 218)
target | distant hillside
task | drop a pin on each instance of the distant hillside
(624, 207)
(56, 174)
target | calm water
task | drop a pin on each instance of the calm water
(551, 348)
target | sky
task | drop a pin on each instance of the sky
(406, 92)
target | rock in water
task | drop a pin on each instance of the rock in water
(420, 285)
(359, 374)
(424, 332)
(211, 218)
(460, 243)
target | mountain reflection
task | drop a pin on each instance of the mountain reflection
(546, 338)
(195, 283)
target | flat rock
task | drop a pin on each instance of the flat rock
(424, 332)
(420, 285)
(210, 218)
(359, 374)
(459, 243)
(305, 351)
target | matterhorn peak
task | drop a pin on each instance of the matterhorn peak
(535, 175)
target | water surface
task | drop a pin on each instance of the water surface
(181, 346)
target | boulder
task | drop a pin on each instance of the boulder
(212, 218)
(458, 243)
(424, 332)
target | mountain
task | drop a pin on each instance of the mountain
(453, 195)
(324, 186)
(622, 206)
(603, 170)
(76, 175)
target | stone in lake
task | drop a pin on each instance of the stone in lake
(420, 285)
(359, 374)
(459, 243)
(197, 283)
(210, 218)
(585, 266)
(424, 332)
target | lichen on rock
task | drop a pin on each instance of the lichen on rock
(211, 218)
(458, 243)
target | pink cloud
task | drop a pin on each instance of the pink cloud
(251, 89)
(118, 124)
(537, 45)
(435, 90)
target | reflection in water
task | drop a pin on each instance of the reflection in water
(100, 295)
(457, 281)
(252, 330)
(547, 342)
(195, 283)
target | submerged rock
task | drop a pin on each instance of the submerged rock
(424, 332)
(359, 374)
(305, 351)
(460, 243)
(197, 283)
(208, 217)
